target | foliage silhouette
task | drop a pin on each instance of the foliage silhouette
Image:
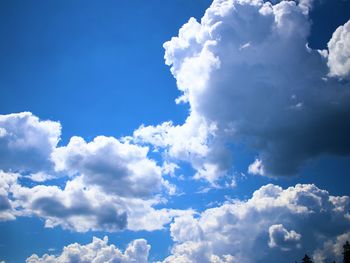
(306, 259)
(346, 252)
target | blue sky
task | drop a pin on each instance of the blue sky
(84, 53)
(260, 107)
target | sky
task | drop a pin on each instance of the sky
(174, 131)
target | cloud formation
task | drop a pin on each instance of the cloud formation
(120, 168)
(98, 251)
(339, 52)
(75, 207)
(272, 225)
(250, 79)
(7, 181)
(108, 184)
(282, 238)
(26, 142)
(81, 207)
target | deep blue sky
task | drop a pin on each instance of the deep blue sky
(98, 68)
(88, 63)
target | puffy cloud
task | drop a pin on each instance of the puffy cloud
(7, 181)
(272, 225)
(186, 142)
(76, 207)
(339, 52)
(119, 168)
(281, 237)
(112, 185)
(256, 168)
(251, 79)
(331, 249)
(81, 207)
(26, 142)
(195, 141)
(98, 251)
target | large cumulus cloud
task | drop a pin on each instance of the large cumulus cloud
(274, 224)
(250, 78)
(98, 251)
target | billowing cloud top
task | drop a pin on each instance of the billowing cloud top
(250, 78)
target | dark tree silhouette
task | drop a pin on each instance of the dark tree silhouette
(346, 252)
(306, 259)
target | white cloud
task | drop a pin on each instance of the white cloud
(76, 207)
(40, 177)
(120, 168)
(282, 238)
(81, 207)
(7, 180)
(194, 141)
(111, 186)
(331, 249)
(269, 96)
(27, 142)
(256, 168)
(339, 52)
(272, 225)
(98, 251)
(186, 142)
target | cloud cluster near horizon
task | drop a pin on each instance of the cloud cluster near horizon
(274, 223)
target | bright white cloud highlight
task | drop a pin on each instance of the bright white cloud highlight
(256, 168)
(339, 52)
